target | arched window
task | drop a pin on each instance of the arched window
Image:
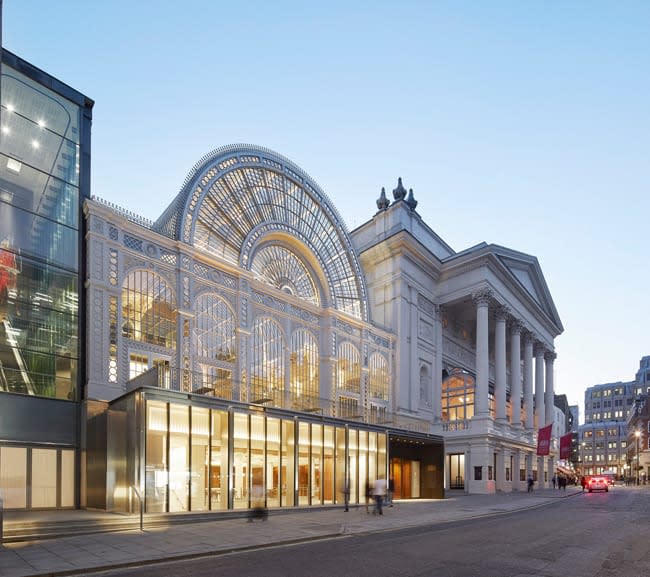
(214, 330)
(304, 374)
(148, 309)
(267, 363)
(348, 369)
(458, 396)
(378, 379)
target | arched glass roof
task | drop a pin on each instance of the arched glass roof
(238, 197)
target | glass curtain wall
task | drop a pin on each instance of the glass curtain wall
(39, 241)
(291, 462)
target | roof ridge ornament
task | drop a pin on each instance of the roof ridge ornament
(411, 200)
(400, 192)
(382, 201)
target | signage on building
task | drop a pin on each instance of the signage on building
(544, 440)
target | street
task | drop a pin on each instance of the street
(590, 535)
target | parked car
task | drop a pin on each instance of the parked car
(598, 484)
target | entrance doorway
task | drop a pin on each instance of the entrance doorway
(457, 471)
(406, 478)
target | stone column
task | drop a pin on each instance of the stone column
(528, 383)
(549, 357)
(437, 368)
(500, 363)
(540, 412)
(515, 372)
(481, 300)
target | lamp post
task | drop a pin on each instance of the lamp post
(637, 434)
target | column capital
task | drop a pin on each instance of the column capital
(539, 349)
(516, 326)
(550, 356)
(482, 297)
(439, 310)
(502, 313)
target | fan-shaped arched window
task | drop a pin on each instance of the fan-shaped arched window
(267, 363)
(148, 309)
(304, 371)
(282, 269)
(458, 396)
(348, 368)
(214, 329)
(378, 378)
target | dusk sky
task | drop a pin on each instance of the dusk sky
(524, 124)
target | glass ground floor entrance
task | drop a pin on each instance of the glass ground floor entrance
(203, 454)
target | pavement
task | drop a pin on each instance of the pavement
(60, 543)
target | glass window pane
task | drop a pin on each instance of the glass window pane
(13, 477)
(44, 476)
(316, 463)
(303, 463)
(341, 473)
(156, 461)
(200, 459)
(240, 465)
(289, 485)
(219, 461)
(67, 478)
(273, 462)
(328, 464)
(258, 458)
(179, 462)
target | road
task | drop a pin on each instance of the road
(590, 535)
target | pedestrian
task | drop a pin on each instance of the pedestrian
(390, 491)
(258, 504)
(583, 482)
(346, 494)
(368, 496)
(379, 492)
(530, 483)
(562, 482)
(554, 481)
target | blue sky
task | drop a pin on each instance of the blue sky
(524, 124)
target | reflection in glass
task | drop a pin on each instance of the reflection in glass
(13, 477)
(341, 471)
(316, 463)
(328, 464)
(258, 485)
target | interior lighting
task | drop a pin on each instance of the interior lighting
(41, 123)
(10, 108)
(5, 130)
(35, 144)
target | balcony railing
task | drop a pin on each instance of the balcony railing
(185, 381)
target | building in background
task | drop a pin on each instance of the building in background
(638, 428)
(604, 437)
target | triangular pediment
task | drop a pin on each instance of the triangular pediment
(526, 270)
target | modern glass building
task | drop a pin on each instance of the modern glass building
(44, 177)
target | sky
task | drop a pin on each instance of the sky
(523, 124)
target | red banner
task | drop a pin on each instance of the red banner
(544, 440)
(565, 446)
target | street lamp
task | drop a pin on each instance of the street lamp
(637, 434)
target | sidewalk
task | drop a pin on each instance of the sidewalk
(67, 555)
